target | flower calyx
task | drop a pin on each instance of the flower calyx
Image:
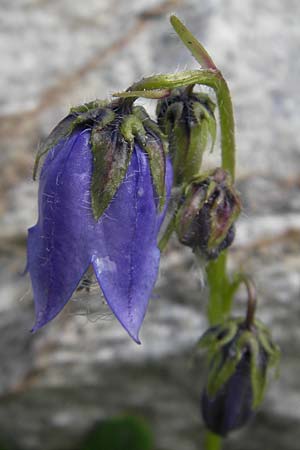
(115, 129)
(240, 354)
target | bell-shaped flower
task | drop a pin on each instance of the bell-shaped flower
(103, 192)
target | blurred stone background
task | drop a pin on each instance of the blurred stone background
(56, 384)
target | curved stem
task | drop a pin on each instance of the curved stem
(161, 84)
(251, 301)
(168, 81)
(220, 298)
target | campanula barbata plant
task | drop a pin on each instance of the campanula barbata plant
(103, 193)
(104, 189)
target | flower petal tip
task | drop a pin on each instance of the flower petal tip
(135, 338)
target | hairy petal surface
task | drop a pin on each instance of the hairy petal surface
(57, 245)
(121, 245)
(125, 253)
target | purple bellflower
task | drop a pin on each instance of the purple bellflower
(103, 193)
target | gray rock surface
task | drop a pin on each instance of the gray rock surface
(82, 367)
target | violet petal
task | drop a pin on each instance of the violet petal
(57, 245)
(125, 253)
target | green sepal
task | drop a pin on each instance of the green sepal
(61, 131)
(131, 128)
(271, 349)
(152, 141)
(188, 120)
(218, 231)
(77, 116)
(86, 107)
(204, 113)
(220, 224)
(218, 336)
(228, 343)
(178, 142)
(258, 372)
(197, 144)
(112, 148)
(220, 372)
(111, 157)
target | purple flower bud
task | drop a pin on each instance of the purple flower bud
(232, 406)
(239, 359)
(120, 244)
(205, 220)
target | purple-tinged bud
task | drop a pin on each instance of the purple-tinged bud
(239, 360)
(209, 208)
(103, 193)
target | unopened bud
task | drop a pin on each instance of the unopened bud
(187, 118)
(205, 220)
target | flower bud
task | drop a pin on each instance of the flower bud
(103, 192)
(205, 219)
(187, 118)
(239, 359)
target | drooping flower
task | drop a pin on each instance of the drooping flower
(239, 360)
(209, 208)
(103, 193)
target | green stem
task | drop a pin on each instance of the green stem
(221, 290)
(221, 90)
(212, 441)
(227, 128)
(208, 77)
(218, 285)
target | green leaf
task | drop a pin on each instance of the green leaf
(120, 433)
(197, 50)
